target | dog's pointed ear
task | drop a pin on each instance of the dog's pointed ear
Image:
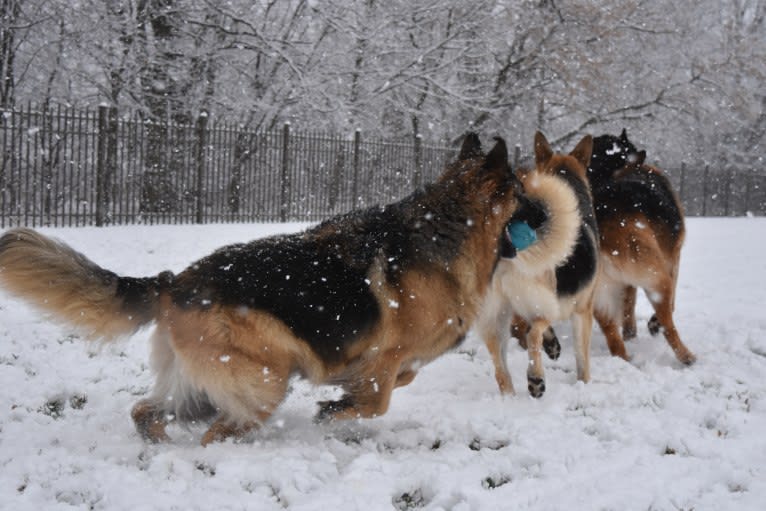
(498, 156)
(583, 150)
(624, 136)
(640, 157)
(471, 147)
(543, 151)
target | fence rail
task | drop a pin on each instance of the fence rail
(95, 167)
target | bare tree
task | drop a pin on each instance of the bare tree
(10, 12)
(685, 79)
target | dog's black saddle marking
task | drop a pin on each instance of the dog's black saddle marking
(580, 267)
(318, 282)
(640, 191)
(304, 283)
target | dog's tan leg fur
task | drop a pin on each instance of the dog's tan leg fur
(492, 326)
(150, 421)
(502, 375)
(370, 393)
(239, 358)
(535, 371)
(519, 329)
(629, 330)
(612, 333)
(662, 301)
(582, 324)
(405, 378)
(222, 429)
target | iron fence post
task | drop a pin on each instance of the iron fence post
(101, 157)
(355, 182)
(284, 195)
(704, 191)
(201, 139)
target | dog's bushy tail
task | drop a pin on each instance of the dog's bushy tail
(75, 290)
(556, 238)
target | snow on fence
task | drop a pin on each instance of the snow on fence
(67, 167)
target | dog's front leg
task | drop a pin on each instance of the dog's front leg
(328, 409)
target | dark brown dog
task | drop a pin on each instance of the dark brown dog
(361, 301)
(641, 225)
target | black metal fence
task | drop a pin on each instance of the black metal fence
(66, 167)
(95, 167)
(720, 191)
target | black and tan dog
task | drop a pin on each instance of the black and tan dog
(641, 225)
(361, 300)
(553, 279)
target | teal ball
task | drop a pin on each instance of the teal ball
(522, 235)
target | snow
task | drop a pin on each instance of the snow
(649, 434)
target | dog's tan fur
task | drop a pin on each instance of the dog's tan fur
(637, 252)
(525, 286)
(47, 271)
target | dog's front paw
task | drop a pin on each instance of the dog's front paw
(328, 409)
(536, 386)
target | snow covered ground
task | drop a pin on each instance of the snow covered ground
(649, 434)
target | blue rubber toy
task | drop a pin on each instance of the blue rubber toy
(522, 235)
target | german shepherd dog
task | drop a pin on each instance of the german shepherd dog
(641, 225)
(554, 279)
(361, 301)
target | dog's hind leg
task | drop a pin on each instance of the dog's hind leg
(611, 331)
(223, 428)
(150, 419)
(519, 330)
(235, 362)
(607, 309)
(368, 395)
(654, 325)
(151, 415)
(662, 301)
(497, 349)
(535, 371)
(493, 328)
(582, 322)
(246, 399)
(551, 344)
(629, 313)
